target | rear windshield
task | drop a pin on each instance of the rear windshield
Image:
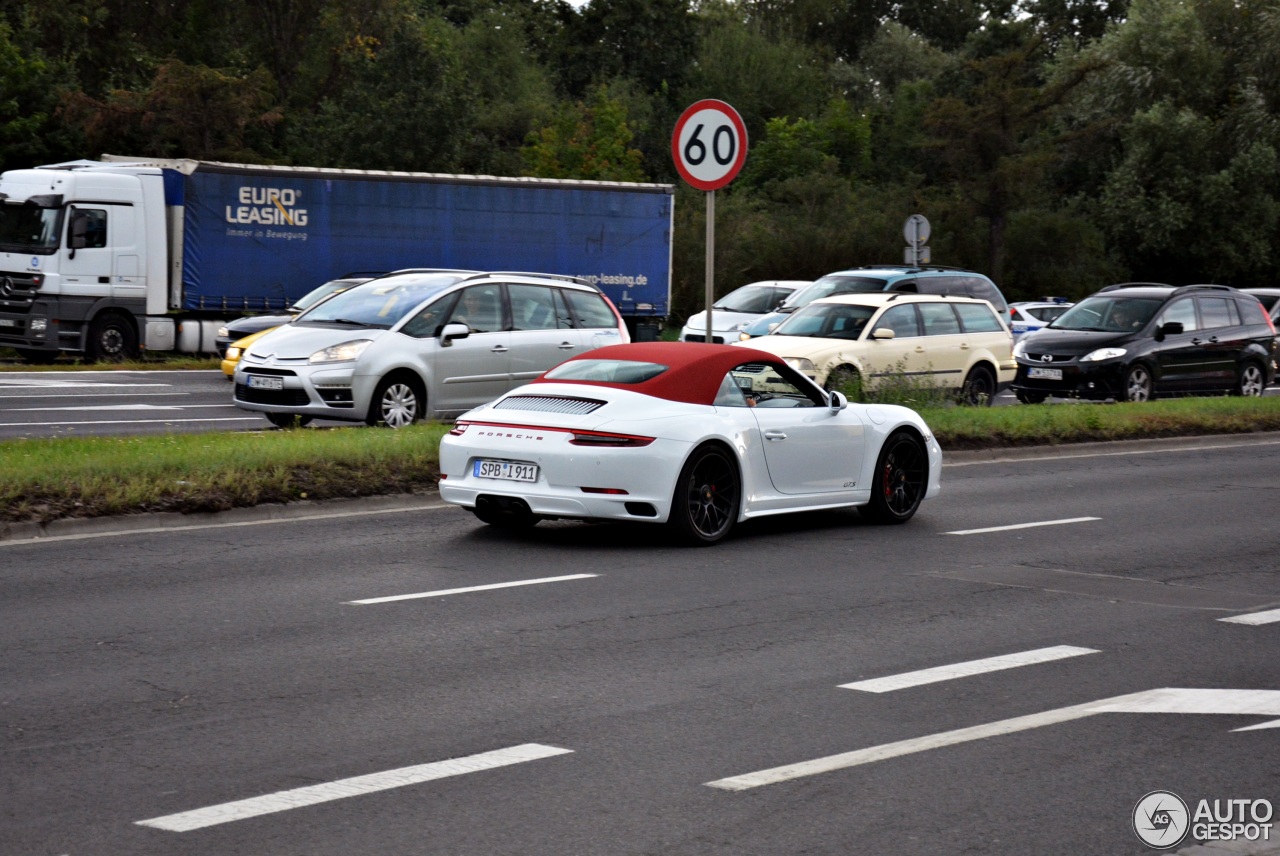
(833, 284)
(380, 303)
(606, 371)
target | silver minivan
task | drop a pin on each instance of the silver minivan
(422, 344)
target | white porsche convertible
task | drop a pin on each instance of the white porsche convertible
(698, 436)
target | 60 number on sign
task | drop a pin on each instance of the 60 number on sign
(709, 144)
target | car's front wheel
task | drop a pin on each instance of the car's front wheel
(900, 481)
(707, 496)
(1250, 381)
(1137, 384)
(844, 379)
(399, 401)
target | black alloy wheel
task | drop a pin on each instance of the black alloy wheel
(900, 482)
(707, 497)
(979, 388)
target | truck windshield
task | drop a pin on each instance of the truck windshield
(380, 303)
(28, 229)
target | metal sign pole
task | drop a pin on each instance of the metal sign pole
(711, 257)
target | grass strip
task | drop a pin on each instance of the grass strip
(960, 428)
(48, 479)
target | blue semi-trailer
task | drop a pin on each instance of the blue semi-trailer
(110, 257)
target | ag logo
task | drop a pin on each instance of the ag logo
(1161, 819)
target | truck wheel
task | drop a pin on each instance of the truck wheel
(37, 358)
(112, 339)
(398, 401)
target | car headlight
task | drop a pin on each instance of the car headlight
(800, 364)
(1102, 354)
(744, 336)
(223, 331)
(1020, 349)
(233, 353)
(344, 353)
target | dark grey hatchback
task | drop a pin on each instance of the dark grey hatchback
(1134, 341)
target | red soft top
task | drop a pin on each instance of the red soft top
(694, 369)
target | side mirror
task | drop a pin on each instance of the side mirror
(773, 326)
(453, 331)
(838, 400)
(883, 333)
(1169, 328)
(77, 236)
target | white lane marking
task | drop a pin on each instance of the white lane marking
(1070, 455)
(355, 786)
(1021, 526)
(489, 587)
(8, 383)
(87, 407)
(92, 395)
(1269, 617)
(152, 530)
(127, 422)
(964, 670)
(1168, 700)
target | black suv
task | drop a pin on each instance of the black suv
(1134, 341)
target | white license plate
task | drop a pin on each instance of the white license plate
(1045, 374)
(262, 382)
(8, 322)
(509, 470)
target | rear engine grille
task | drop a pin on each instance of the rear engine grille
(283, 397)
(549, 404)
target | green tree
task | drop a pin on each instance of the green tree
(585, 141)
(401, 102)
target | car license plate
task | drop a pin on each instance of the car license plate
(8, 322)
(1045, 374)
(509, 470)
(262, 382)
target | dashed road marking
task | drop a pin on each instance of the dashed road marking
(1012, 526)
(352, 787)
(489, 587)
(966, 669)
(1271, 616)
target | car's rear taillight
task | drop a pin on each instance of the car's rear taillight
(601, 438)
(459, 428)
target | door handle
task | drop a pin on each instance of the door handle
(565, 346)
(774, 435)
(498, 349)
(919, 349)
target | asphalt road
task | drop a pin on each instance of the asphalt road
(593, 689)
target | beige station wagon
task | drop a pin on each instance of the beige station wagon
(864, 341)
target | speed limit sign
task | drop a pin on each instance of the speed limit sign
(709, 144)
